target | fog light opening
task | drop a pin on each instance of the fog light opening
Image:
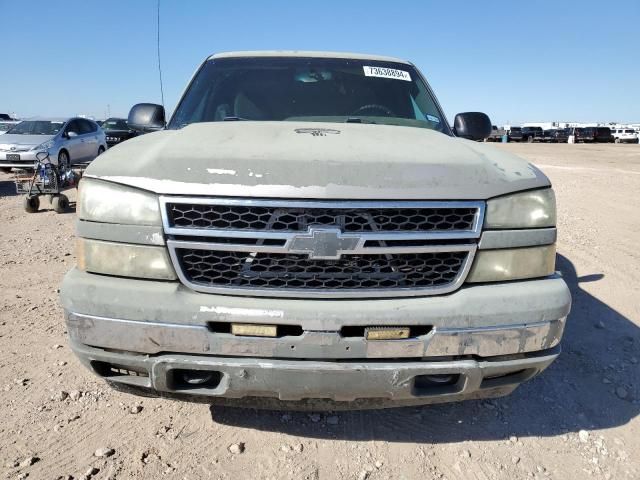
(183, 379)
(444, 379)
(437, 384)
(194, 377)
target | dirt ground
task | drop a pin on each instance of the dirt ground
(577, 420)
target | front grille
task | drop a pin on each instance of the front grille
(285, 271)
(240, 217)
(321, 249)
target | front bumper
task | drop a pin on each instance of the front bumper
(153, 328)
(277, 383)
(112, 141)
(27, 160)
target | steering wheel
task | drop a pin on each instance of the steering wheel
(374, 106)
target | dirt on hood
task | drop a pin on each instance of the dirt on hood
(315, 160)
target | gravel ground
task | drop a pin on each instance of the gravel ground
(577, 420)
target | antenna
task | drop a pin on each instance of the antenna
(158, 44)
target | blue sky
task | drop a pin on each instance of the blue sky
(516, 61)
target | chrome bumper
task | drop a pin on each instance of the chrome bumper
(26, 165)
(137, 334)
(312, 384)
(153, 338)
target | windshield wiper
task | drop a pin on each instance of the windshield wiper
(233, 119)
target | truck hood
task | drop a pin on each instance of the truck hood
(315, 160)
(22, 141)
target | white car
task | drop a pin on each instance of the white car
(67, 140)
(624, 135)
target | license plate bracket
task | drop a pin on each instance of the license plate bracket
(13, 157)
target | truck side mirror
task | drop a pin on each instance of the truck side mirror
(146, 117)
(472, 125)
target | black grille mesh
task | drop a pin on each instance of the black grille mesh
(284, 271)
(239, 217)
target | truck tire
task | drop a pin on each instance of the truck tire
(60, 203)
(31, 204)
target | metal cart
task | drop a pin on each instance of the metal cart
(47, 179)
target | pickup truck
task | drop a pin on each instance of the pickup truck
(496, 134)
(532, 134)
(594, 135)
(624, 135)
(515, 134)
(308, 231)
(555, 135)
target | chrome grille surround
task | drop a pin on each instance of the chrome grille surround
(322, 243)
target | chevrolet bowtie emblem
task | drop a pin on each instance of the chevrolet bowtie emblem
(322, 243)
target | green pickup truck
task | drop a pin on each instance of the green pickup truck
(309, 231)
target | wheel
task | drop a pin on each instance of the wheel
(60, 203)
(100, 150)
(31, 204)
(617, 140)
(64, 162)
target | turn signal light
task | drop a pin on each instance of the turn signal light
(386, 333)
(252, 330)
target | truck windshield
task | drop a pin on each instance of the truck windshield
(309, 89)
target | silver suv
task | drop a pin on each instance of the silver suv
(309, 228)
(68, 141)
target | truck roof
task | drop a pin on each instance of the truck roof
(305, 53)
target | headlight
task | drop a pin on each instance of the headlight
(112, 203)
(44, 146)
(513, 264)
(534, 209)
(124, 260)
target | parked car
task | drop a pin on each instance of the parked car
(286, 238)
(555, 135)
(117, 131)
(532, 134)
(5, 117)
(515, 134)
(68, 141)
(496, 134)
(624, 135)
(594, 135)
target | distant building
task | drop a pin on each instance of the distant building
(552, 125)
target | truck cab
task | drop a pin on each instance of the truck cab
(307, 229)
